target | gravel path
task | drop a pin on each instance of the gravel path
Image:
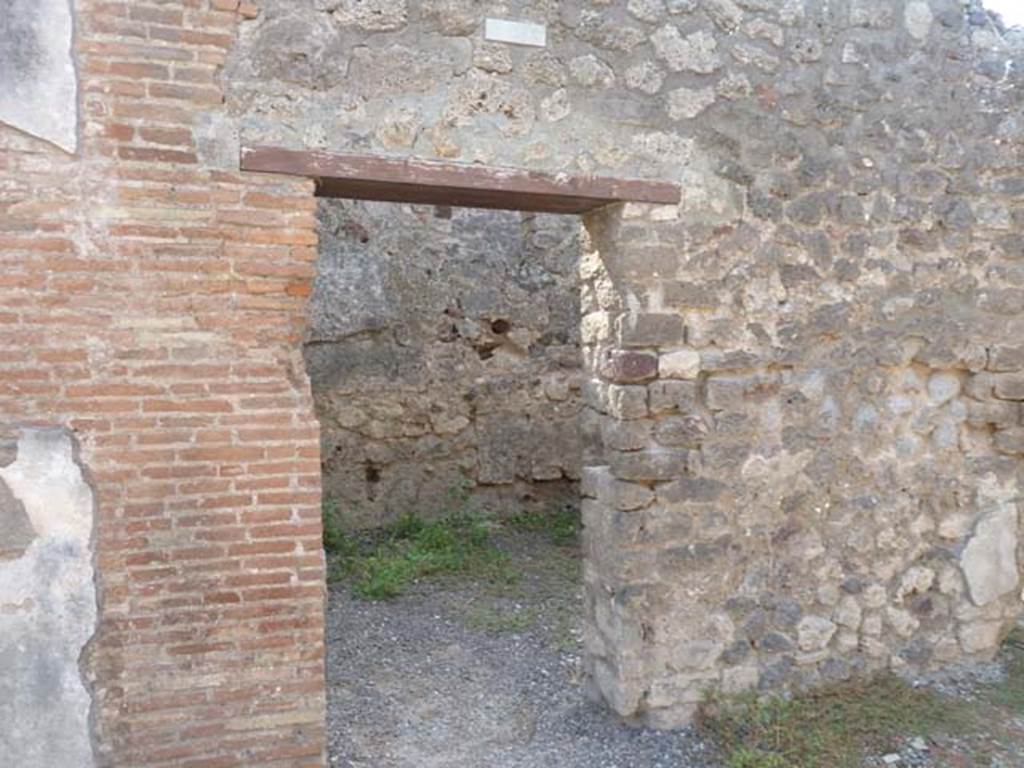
(417, 683)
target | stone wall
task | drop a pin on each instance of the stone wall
(803, 454)
(444, 357)
(806, 376)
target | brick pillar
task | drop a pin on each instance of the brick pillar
(154, 304)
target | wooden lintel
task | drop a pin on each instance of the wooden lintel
(369, 177)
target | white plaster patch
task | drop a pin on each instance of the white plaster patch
(989, 561)
(51, 598)
(38, 87)
(515, 32)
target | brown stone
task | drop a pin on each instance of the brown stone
(622, 367)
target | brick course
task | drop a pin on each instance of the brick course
(156, 307)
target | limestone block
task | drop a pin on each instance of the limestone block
(1002, 413)
(918, 18)
(989, 561)
(687, 103)
(726, 14)
(740, 679)
(666, 396)
(644, 329)
(903, 622)
(626, 401)
(681, 431)
(699, 490)
(916, 580)
(645, 76)
(848, 613)
(1003, 358)
(697, 52)
(980, 636)
(942, 387)
(814, 633)
(648, 466)
(622, 495)
(679, 364)
(1010, 440)
(1009, 386)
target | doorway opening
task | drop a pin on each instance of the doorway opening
(446, 363)
(444, 356)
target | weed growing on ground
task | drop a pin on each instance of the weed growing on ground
(336, 542)
(382, 564)
(1010, 693)
(414, 549)
(562, 525)
(836, 726)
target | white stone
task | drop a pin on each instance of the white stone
(591, 71)
(687, 103)
(874, 596)
(943, 387)
(981, 636)
(696, 52)
(814, 633)
(556, 106)
(646, 10)
(916, 580)
(740, 679)
(918, 19)
(515, 32)
(902, 622)
(680, 364)
(848, 613)
(646, 77)
(725, 13)
(989, 561)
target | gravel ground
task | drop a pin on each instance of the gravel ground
(417, 683)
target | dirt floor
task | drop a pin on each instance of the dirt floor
(462, 673)
(470, 671)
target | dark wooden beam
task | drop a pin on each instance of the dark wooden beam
(369, 177)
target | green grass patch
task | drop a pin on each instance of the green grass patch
(562, 524)
(336, 541)
(1010, 693)
(383, 564)
(836, 726)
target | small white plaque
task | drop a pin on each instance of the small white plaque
(516, 32)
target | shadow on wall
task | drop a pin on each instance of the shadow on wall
(444, 353)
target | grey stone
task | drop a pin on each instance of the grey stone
(16, 531)
(696, 52)
(648, 466)
(687, 431)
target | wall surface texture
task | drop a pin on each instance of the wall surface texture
(445, 359)
(47, 602)
(806, 380)
(152, 304)
(807, 377)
